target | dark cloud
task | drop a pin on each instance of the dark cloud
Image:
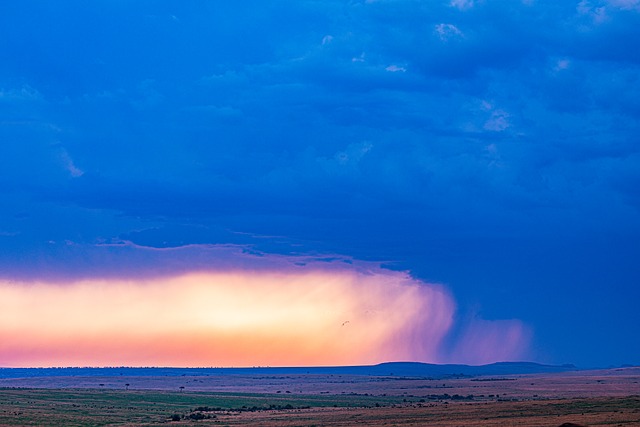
(484, 145)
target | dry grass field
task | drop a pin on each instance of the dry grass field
(592, 412)
(592, 398)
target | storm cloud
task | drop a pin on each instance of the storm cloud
(490, 146)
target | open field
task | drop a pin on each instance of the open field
(610, 397)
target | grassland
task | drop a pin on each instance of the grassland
(610, 398)
(75, 407)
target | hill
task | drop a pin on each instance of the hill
(401, 369)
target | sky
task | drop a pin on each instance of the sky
(319, 182)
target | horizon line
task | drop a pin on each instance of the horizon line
(563, 365)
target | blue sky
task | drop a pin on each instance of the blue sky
(488, 146)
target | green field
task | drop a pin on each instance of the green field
(75, 407)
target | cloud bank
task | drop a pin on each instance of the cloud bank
(322, 313)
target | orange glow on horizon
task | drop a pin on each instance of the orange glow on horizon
(313, 317)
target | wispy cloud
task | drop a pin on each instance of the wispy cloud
(447, 31)
(69, 165)
(462, 4)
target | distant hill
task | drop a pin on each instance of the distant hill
(428, 370)
(414, 369)
(400, 369)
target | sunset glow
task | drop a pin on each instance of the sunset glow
(315, 317)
